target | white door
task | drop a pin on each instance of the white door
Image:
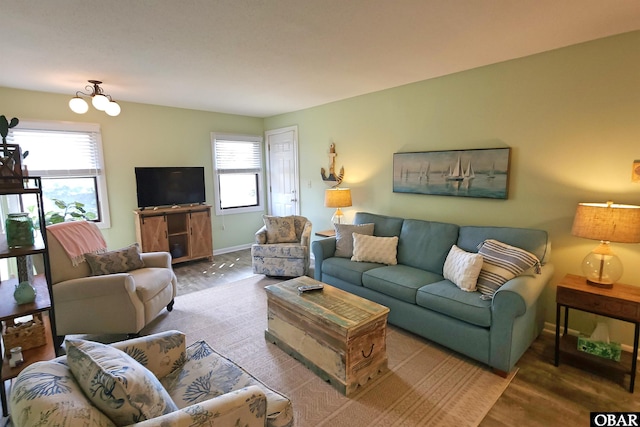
(282, 171)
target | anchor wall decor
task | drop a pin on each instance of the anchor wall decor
(332, 178)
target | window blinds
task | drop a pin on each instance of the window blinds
(68, 153)
(237, 156)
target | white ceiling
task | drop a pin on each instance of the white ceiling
(266, 57)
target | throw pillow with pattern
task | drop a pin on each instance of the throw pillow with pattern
(280, 229)
(462, 268)
(502, 263)
(118, 385)
(118, 261)
(383, 250)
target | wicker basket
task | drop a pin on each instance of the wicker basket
(27, 335)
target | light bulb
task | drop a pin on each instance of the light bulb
(78, 105)
(113, 109)
(100, 102)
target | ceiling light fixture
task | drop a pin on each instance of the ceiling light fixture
(99, 99)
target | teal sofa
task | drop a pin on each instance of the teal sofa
(493, 331)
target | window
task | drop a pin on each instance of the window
(68, 157)
(237, 163)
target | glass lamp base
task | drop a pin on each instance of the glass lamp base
(602, 270)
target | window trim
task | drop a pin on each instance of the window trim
(260, 185)
(101, 177)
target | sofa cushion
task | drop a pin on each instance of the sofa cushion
(444, 297)
(502, 262)
(46, 393)
(462, 268)
(280, 229)
(425, 244)
(344, 237)
(119, 386)
(118, 261)
(384, 226)
(382, 250)
(207, 374)
(279, 250)
(398, 281)
(531, 240)
(347, 270)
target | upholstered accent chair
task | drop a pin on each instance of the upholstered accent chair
(118, 303)
(282, 246)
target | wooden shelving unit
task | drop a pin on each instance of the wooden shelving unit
(9, 308)
(183, 231)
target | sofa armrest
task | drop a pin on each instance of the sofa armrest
(322, 249)
(305, 238)
(244, 407)
(516, 317)
(156, 259)
(161, 353)
(261, 235)
(521, 292)
(94, 287)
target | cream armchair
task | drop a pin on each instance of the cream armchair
(121, 303)
(281, 247)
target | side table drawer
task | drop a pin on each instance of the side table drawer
(599, 304)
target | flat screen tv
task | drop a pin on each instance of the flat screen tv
(169, 186)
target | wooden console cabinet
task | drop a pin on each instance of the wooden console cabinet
(185, 232)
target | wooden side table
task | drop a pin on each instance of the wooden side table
(621, 302)
(326, 233)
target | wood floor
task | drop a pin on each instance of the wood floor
(541, 394)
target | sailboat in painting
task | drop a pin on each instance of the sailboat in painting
(469, 173)
(456, 174)
(492, 172)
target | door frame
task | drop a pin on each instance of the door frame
(296, 180)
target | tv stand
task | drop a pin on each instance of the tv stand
(183, 231)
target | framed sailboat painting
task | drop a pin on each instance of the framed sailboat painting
(463, 173)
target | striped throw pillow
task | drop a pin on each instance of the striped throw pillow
(502, 263)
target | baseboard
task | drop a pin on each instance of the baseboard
(231, 249)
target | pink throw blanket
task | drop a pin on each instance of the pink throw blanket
(78, 238)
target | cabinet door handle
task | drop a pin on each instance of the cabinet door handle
(370, 351)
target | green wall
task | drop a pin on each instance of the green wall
(146, 135)
(571, 117)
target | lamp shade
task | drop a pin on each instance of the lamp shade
(337, 197)
(608, 222)
(78, 105)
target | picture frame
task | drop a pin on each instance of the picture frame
(481, 173)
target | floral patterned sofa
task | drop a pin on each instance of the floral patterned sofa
(282, 246)
(149, 381)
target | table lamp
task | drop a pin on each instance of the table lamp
(607, 222)
(337, 198)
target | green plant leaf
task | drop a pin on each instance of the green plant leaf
(14, 122)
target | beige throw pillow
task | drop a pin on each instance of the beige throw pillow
(280, 229)
(344, 237)
(462, 268)
(382, 250)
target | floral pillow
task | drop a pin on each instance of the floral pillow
(280, 229)
(120, 387)
(119, 261)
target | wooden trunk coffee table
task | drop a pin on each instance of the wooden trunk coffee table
(339, 336)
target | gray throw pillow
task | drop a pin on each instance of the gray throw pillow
(344, 237)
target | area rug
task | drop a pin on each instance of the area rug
(426, 384)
